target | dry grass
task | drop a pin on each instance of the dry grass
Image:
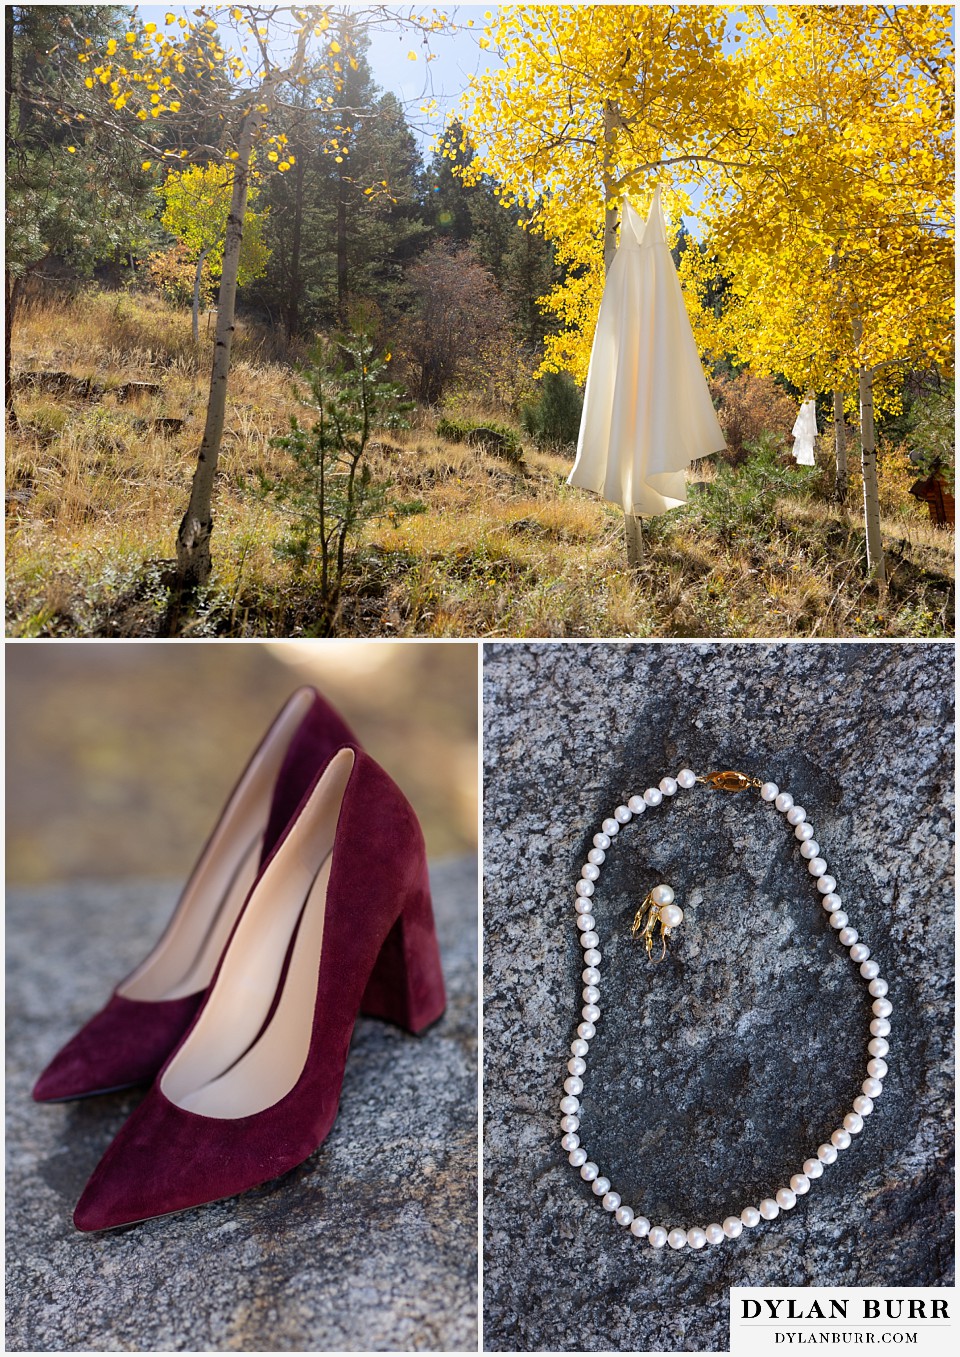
(95, 490)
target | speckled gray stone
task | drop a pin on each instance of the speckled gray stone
(369, 1245)
(713, 1076)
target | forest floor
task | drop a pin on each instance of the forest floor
(97, 481)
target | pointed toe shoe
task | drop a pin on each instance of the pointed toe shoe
(340, 919)
(128, 1041)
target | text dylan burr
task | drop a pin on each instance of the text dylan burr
(864, 1307)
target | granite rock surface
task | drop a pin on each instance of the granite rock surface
(713, 1076)
(369, 1245)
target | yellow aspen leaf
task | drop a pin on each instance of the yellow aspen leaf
(111, 47)
(89, 83)
(272, 155)
(284, 166)
(72, 150)
(146, 165)
(334, 47)
(411, 56)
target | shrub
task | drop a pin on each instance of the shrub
(895, 475)
(931, 431)
(742, 500)
(553, 418)
(328, 489)
(748, 407)
(458, 325)
(172, 273)
(499, 439)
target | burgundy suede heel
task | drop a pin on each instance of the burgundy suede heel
(128, 1041)
(254, 1086)
(406, 984)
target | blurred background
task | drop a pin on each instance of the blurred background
(120, 754)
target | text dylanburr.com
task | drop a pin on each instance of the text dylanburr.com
(779, 1319)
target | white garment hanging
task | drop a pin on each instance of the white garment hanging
(804, 433)
(647, 412)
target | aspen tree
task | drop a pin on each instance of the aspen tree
(196, 205)
(151, 89)
(592, 103)
(836, 235)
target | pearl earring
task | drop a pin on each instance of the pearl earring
(658, 908)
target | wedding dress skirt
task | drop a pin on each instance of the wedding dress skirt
(647, 412)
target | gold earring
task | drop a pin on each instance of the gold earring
(658, 908)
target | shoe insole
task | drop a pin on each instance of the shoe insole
(236, 1063)
(205, 963)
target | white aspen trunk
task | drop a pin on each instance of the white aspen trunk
(840, 442)
(194, 562)
(197, 277)
(611, 117)
(632, 527)
(876, 565)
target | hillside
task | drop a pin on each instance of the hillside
(99, 471)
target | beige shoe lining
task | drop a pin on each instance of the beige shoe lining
(186, 957)
(231, 1066)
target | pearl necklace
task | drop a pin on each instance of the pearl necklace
(660, 912)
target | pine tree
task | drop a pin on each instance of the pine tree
(72, 194)
(466, 210)
(343, 226)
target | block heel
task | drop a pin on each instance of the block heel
(406, 985)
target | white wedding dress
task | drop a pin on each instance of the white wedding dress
(647, 412)
(804, 433)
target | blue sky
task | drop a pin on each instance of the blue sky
(458, 56)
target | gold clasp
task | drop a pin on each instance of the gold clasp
(730, 781)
